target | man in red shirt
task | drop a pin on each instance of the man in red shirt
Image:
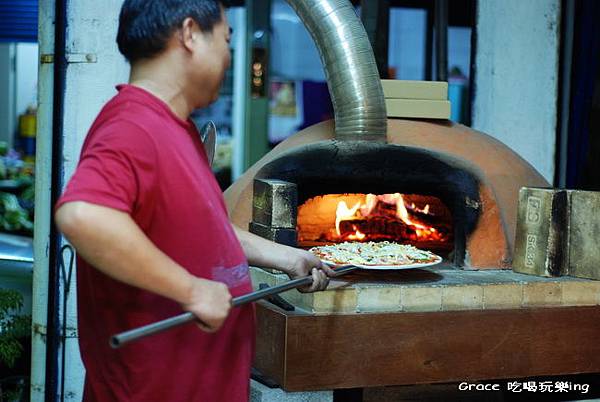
(150, 226)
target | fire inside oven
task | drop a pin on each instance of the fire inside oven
(367, 191)
(422, 221)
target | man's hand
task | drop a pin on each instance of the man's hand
(302, 263)
(293, 261)
(210, 302)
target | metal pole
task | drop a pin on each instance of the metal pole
(565, 89)
(441, 39)
(375, 16)
(132, 335)
(53, 337)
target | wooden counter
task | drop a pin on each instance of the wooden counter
(308, 351)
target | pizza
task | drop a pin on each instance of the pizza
(371, 253)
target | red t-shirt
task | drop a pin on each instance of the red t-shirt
(139, 157)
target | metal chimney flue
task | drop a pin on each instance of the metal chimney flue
(350, 68)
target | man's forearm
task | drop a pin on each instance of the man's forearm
(113, 243)
(262, 252)
(293, 261)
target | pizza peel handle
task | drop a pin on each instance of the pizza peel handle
(123, 338)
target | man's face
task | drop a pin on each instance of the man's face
(212, 57)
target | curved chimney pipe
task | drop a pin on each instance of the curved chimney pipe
(350, 67)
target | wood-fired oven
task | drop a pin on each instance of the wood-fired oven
(470, 182)
(436, 184)
(458, 182)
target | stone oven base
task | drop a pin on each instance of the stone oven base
(406, 329)
(437, 289)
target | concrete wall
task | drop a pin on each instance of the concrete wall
(516, 77)
(92, 28)
(43, 207)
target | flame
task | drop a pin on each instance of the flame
(402, 213)
(357, 235)
(363, 210)
(369, 205)
(343, 213)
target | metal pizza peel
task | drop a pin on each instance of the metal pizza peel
(208, 136)
(119, 340)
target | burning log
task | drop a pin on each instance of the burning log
(388, 211)
(380, 227)
(377, 225)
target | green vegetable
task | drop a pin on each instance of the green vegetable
(12, 216)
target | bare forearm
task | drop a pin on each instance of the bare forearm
(293, 261)
(262, 252)
(113, 243)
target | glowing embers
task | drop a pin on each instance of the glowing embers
(363, 217)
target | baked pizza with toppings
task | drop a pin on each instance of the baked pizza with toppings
(371, 253)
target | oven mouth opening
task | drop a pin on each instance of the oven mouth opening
(344, 169)
(423, 221)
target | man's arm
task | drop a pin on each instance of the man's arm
(112, 242)
(293, 261)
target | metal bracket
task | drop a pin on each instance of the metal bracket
(47, 59)
(277, 299)
(71, 58)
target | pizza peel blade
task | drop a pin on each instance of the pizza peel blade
(208, 136)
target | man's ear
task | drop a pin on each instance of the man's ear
(188, 33)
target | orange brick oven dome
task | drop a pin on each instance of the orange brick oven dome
(474, 175)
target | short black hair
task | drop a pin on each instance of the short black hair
(145, 26)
